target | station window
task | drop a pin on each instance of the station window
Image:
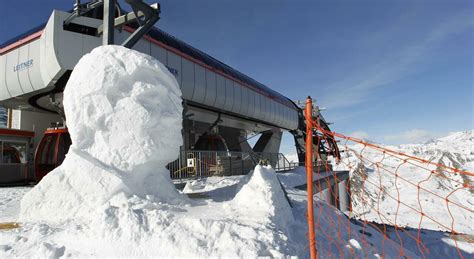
(13, 152)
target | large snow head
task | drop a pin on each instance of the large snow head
(124, 108)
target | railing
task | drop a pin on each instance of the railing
(194, 164)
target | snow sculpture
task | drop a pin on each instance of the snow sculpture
(124, 115)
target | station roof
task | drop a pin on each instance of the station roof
(175, 43)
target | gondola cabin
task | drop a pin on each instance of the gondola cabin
(51, 151)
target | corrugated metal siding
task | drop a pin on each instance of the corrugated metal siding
(202, 78)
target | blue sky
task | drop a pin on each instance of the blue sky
(390, 71)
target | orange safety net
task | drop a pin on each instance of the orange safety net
(400, 206)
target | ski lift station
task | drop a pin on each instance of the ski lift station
(222, 106)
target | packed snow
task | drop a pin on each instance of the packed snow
(354, 239)
(263, 195)
(9, 200)
(242, 225)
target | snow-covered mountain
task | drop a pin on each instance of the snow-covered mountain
(393, 191)
(455, 150)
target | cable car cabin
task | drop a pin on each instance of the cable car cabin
(51, 151)
(16, 157)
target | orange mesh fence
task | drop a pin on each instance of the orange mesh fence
(401, 205)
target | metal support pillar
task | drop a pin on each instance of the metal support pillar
(109, 21)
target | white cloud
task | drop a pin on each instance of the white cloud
(359, 135)
(410, 136)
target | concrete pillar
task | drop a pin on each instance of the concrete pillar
(269, 142)
(232, 137)
(335, 194)
(344, 197)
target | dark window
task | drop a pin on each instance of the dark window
(13, 153)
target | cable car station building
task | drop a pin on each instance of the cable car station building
(222, 106)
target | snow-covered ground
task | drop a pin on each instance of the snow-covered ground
(246, 216)
(199, 227)
(236, 228)
(10, 202)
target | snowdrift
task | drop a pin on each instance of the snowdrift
(262, 194)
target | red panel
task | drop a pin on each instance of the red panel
(51, 131)
(17, 133)
(21, 42)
